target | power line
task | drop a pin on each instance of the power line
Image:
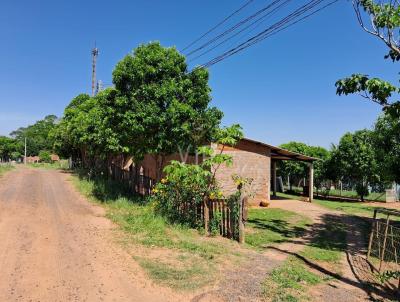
(233, 28)
(284, 23)
(218, 25)
(260, 19)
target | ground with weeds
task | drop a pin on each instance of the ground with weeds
(173, 255)
(310, 241)
(5, 168)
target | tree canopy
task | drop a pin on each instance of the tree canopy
(295, 170)
(165, 107)
(10, 149)
(386, 138)
(355, 160)
(38, 136)
(156, 107)
(382, 20)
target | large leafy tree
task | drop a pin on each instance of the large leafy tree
(163, 106)
(356, 162)
(382, 20)
(10, 149)
(89, 128)
(386, 136)
(38, 135)
(296, 170)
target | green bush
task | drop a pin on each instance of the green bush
(45, 156)
(180, 196)
(187, 187)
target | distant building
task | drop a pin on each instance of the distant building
(32, 159)
(55, 157)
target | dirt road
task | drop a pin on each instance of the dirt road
(55, 246)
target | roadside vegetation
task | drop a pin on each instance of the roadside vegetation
(157, 107)
(62, 164)
(5, 168)
(180, 257)
(172, 254)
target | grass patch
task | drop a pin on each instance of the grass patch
(329, 243)
(175, 275)
(272, 226)
(348, 207)
(62, 164)
(373, 196)
(141, 225)
(5, 168)
(289, 281)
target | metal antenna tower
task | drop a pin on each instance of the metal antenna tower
(99, 86)
(95, 54)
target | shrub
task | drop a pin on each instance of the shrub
(45, 156)
(180, 196)
(188, 187)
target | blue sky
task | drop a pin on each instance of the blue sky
(279, 90)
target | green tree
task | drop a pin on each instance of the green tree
(10, 149)
(296, 170)
(188, 186)
(45, 156)
(37, 135)
(163, 106)
(382, 20)
(355, 159)
(386, 136)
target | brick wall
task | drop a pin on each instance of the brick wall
(250, 160)
(149, 164)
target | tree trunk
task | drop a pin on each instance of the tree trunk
(160, 160)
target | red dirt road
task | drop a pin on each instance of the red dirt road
(55, 246)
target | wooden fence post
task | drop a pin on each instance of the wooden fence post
(241, 219)
(384, 243)
(371, 236)
(206, 216)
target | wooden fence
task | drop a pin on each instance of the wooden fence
(133, 179)
(230, 223)
(218, 216)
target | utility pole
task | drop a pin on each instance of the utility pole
(95, 53)
(25, 152)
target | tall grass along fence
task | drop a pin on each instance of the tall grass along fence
(225, 217)
(384, 242)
